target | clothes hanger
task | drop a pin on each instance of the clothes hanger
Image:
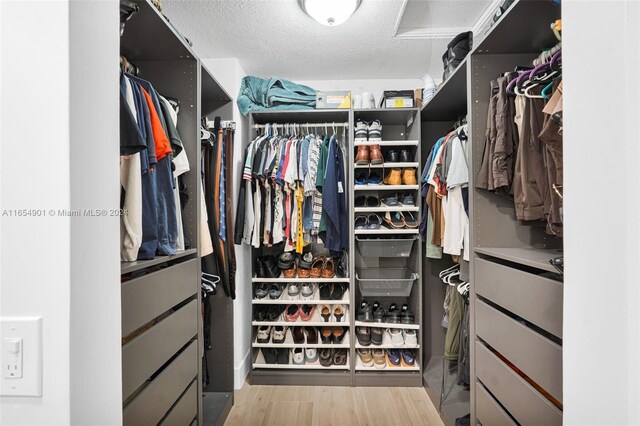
(545, 92)
(446, 271)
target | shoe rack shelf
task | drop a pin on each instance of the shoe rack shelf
(285, 299)
(299, 323)
(386, 187)
(261, 363)
(383, 209)
(299, 280)
(387, 368)
(387, 166)
(386, 344)
(288, 343)
(387, 325)
(386, 231)
(390, 143)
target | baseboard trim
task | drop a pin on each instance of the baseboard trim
(242, 371)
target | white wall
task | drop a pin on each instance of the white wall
(602, 179)
(58, 141)
(357, 87)
(35, 263)
(96, 387)
(229, 74)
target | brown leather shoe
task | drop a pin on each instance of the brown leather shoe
(409, 177)
(376, 154)
(362, 156)
(394, 177)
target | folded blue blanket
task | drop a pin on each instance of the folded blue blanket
(257, 94)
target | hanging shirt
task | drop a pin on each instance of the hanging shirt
(334, 200)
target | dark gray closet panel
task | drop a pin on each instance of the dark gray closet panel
(532, 297)
(185, 409)
(147, 297)
(145, 354)
(537, 357)
(522, 401)
(489, 412)
(156, 399)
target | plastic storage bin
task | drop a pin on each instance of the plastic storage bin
(381, 282)
(385, 247)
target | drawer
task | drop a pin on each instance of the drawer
(151, 405)
(145, 354)
(537, 357)
(149, 296)
(526, 405)
(185, 410)
(488, 411)
(532, 297)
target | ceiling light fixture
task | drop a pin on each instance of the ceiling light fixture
(330, 12)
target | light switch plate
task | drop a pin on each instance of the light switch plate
(29, 330)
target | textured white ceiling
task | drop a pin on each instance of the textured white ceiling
(276, 38)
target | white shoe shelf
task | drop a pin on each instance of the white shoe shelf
(288, 342)
(315, 365)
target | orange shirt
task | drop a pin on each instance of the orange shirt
(161, 142)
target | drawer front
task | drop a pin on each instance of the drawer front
(185, 410)
(145, 354)
(147, 297)
(150, 406)
(537, 357)
(521, 400)
(534, 298)
(488, 411)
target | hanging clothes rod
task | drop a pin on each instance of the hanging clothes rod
(311, 125)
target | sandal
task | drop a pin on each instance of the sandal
(395, 221)
(410, 220)
(264, 333)
(304, 273)
(325, 312)
(340, 357)
(291, 272)
(326, 357)
(316, 267)
(328, 268)
(338, 312)
(312, 335)
(298, 335)
(326, 335)
(338, 334)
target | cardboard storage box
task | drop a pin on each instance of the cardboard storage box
(397, 99)
(333, 100)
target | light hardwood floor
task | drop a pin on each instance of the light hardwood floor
(335, 406)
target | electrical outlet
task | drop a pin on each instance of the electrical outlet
(12, 358)
(21, 356)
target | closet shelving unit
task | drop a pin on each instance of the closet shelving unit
(515, 296)
(161, 315)
(307, 374)
(161, 323)
(400, 130)
(217, 396)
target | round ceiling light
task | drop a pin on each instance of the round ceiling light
(330, 12)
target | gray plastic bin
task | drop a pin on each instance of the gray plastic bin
(381, 282)
(385, 247)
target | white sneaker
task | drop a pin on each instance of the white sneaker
(293, 291)
(298, 356)
(397, 339)
(410, 338)
(361, 131)
(375, 131)
(311, 355)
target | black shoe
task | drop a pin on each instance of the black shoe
(342, 264)
(326, 357)
(275, 292)
(406, 315)
(393, 314)
(325, 291)
(364, 335)
(261, 271)
(377, 335)
(286, 260)
(404, 156)
(271, 266)
(270, 355)
(261, 290)
(378, 312)
(392, 157)
(260, 312)
(338, 291)
(364, 313)
(283, 356)
(274, 312)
